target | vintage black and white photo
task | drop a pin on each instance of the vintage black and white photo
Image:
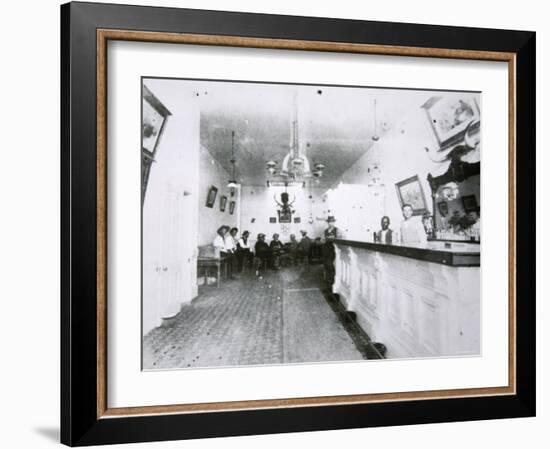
(296, 223)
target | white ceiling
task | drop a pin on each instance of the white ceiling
(336, 124)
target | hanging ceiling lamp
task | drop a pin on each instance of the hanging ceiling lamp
(271, 167)
(232, 184)
(318, 170)
(295, 164)
(375, 137)
(374, 170)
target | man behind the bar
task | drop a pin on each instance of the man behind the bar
(329, 253)
(385, 235)
(412, 230)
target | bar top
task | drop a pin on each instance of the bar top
(455, 254)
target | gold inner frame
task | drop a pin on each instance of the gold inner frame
(104, 35)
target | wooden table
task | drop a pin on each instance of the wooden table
(217, 262)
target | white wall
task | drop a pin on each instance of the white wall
(258, 204)
(210, 219)
(30, 282)
(170, 210)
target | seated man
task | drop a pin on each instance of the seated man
(289, 252)
(276, 248)
(316, 252)
(384, 235)
(293, 249)
(244, 255)
(304, 248)
(230, 242)
(262, 253)
(223, 243)
(219, 240)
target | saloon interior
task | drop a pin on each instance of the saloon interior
(288, 160)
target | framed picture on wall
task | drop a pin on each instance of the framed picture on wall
(284, 216)
(147, 393)
(470, 203)
(409, 191)
(443, 207)
(223, 202)
(154, 117)
(211, 196)
(231, 207)
(450, 117)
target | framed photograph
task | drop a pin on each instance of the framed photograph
(297, 220)
(154, 118)
(470, 203)
(409, 191)
(223, 202)
(159, 343)
(443, 207)
(449, 117)
(285, 216)
(211, 196)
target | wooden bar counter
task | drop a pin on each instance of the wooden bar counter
(419, 301)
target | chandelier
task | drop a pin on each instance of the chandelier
(295, 164)
(375, 137)
(232, 184)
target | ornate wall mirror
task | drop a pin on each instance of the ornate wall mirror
(456, 202)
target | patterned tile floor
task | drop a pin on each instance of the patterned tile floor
(242, 323)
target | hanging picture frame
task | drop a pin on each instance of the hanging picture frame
(223, 203)
(443, 208)
(92, 34)
(285, 216)
(409, 191)
(469, 202)
(211, 196)
(155, 115)
(450, 118)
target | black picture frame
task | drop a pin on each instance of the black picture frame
(434, 113)
(231, 207)
(285, 216)
(84, 418)
(148, 152)
(469, 202)
(410, 191)
(211, 196)
(223, 203)
(443, 208)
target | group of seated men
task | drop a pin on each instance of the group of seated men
(239, 252)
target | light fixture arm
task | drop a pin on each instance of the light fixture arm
(232, 184)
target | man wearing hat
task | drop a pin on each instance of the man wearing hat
(329, 253)
(244, 255)
(276, 247)
(219, 240)
(223, 242)
(262, 253)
